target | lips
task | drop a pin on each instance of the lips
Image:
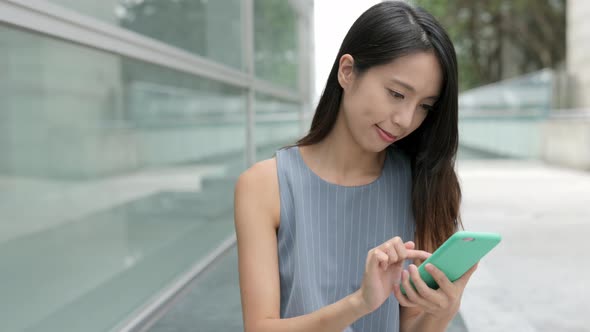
(386, 132)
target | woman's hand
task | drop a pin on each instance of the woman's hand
(441, 303)
(383, 269)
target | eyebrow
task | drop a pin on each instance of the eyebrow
(411, 88)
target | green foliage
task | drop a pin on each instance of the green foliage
(498, 39)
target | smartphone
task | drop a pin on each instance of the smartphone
(457, 255)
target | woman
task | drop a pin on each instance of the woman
(325, 227)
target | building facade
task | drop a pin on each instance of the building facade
(122, 127)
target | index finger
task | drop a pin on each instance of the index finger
(417, 254)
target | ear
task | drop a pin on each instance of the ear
(346, 71)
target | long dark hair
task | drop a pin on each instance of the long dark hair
(384, 32)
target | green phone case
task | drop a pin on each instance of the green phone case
(457, 255)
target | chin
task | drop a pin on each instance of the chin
(376, 148)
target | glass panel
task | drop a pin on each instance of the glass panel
(212, 301)
(275, 42)
(277, 125)
(507, 117)
(208, 28)
(523, 96)
(110, 186)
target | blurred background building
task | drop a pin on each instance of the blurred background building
(124, 124)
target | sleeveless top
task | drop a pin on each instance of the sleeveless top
(326, 231)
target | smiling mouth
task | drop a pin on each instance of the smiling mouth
(386, 132)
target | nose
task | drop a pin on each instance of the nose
(403, 116)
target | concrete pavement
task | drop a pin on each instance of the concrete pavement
(537, 278)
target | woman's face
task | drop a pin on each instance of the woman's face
(388, 102)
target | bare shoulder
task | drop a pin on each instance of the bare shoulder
(261, 170)
(259, 186)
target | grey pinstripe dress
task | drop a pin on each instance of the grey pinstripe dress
(326, 231)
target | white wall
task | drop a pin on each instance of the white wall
(332, 20)
(578, 51)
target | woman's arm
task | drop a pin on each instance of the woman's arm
(257, 211)
(334, 317)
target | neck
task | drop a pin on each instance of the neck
(339, 158)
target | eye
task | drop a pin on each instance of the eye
(428, 107)
(396, 94)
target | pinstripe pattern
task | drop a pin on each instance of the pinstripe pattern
(326, 230)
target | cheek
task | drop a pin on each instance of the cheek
(363, 109)
(374, 108)
(366, 106)
(418, 120)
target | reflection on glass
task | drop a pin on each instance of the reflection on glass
(115, 177)
(275, 42)
(208, 28)
(277, 125)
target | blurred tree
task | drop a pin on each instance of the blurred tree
(498, 39)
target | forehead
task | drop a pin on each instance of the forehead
(420, 70)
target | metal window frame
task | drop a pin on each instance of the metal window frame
(56, 21)
(249, 64)
(304, 9)
(146, 316)
(50, 19)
